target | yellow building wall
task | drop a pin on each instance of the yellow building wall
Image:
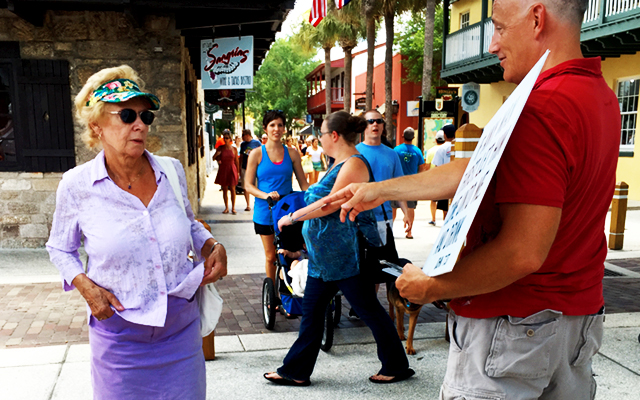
(627, 66)
(613, 69)
(491, 98)
(475, 13)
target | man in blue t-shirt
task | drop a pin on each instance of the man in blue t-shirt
(385, 164)
(248, 144)
(412, 162)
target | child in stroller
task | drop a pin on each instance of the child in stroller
(286, 293)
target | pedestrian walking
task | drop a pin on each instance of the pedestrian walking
(385, 165)
(441, 157)
(228, 166)
(269, 171)
(248, 144)
(318, 160)
(528, 309)
(144, 327)
(439, 139)
(412, 163)
(334, 263)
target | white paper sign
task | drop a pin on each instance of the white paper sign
(227, 63)
(477, 177)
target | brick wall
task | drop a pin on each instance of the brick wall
(91, 41)
(27, 202)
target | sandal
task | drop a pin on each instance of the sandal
(285, 381)
(408, 373)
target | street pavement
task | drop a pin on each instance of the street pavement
(44, 349)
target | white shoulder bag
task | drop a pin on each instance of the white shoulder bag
(209, 301)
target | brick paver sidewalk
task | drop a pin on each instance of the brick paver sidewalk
(42, 314)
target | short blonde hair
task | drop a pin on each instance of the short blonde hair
(89, 114)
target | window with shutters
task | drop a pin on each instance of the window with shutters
(36, 126)
(191, 119)
(464, 19)
(628, 93)
(7, 133)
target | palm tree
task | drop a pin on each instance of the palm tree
(351, 27)
(324, 36)
(390, 9)
(427, 64)
(370, 10)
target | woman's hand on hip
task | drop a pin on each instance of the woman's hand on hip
(215, 266)
(99, 299)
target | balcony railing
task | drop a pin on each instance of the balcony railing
(608, 9)
(318, 99)
(464, 45)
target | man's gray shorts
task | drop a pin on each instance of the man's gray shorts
(544, 356)
(410, 204)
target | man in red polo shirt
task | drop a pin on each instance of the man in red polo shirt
(527, 307)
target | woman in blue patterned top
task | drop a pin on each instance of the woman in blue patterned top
(333, 263)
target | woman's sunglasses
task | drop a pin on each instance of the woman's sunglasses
(128, 116)
(379, 121)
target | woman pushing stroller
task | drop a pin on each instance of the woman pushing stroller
(333, 263)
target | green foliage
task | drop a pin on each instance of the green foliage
(412, 47)
(280, 83)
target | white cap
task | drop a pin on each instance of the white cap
(440, 136)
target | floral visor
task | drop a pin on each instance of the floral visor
(120, 90)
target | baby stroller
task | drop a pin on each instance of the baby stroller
(280, 292)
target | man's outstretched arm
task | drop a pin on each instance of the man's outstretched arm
(435, 184)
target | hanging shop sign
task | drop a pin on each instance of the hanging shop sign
(361, 103)
(470, 96)
(227, 63)
(446, 93)
(228, 115)
(413, 108)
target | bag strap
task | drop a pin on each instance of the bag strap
(172, 175)
(372, 179)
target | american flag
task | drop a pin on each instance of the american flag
(318, 12)
(341, 3)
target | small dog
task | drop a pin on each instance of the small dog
(397, 308)
(206, 226)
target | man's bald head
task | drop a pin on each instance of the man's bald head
(571, 11)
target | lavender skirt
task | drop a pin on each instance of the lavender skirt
(131, 361)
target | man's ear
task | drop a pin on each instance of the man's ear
(539, 15)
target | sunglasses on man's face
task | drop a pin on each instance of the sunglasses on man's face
(377, 120)
(128, 116)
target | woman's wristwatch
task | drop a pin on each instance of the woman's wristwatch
(290, 215)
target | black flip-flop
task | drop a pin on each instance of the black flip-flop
(408, 373)
(285, 381)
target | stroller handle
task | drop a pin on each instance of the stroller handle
(270, 202)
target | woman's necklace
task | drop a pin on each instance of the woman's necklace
(130, 182)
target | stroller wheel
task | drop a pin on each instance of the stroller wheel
(337, 310)
(327, 335)
(269, 303)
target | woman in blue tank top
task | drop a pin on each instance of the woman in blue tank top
(334, 263)
(269, 170)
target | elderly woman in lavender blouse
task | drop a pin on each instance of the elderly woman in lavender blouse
(139, 284)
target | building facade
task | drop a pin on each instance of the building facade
(47, 52)
(402, 91)
(610, 30)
